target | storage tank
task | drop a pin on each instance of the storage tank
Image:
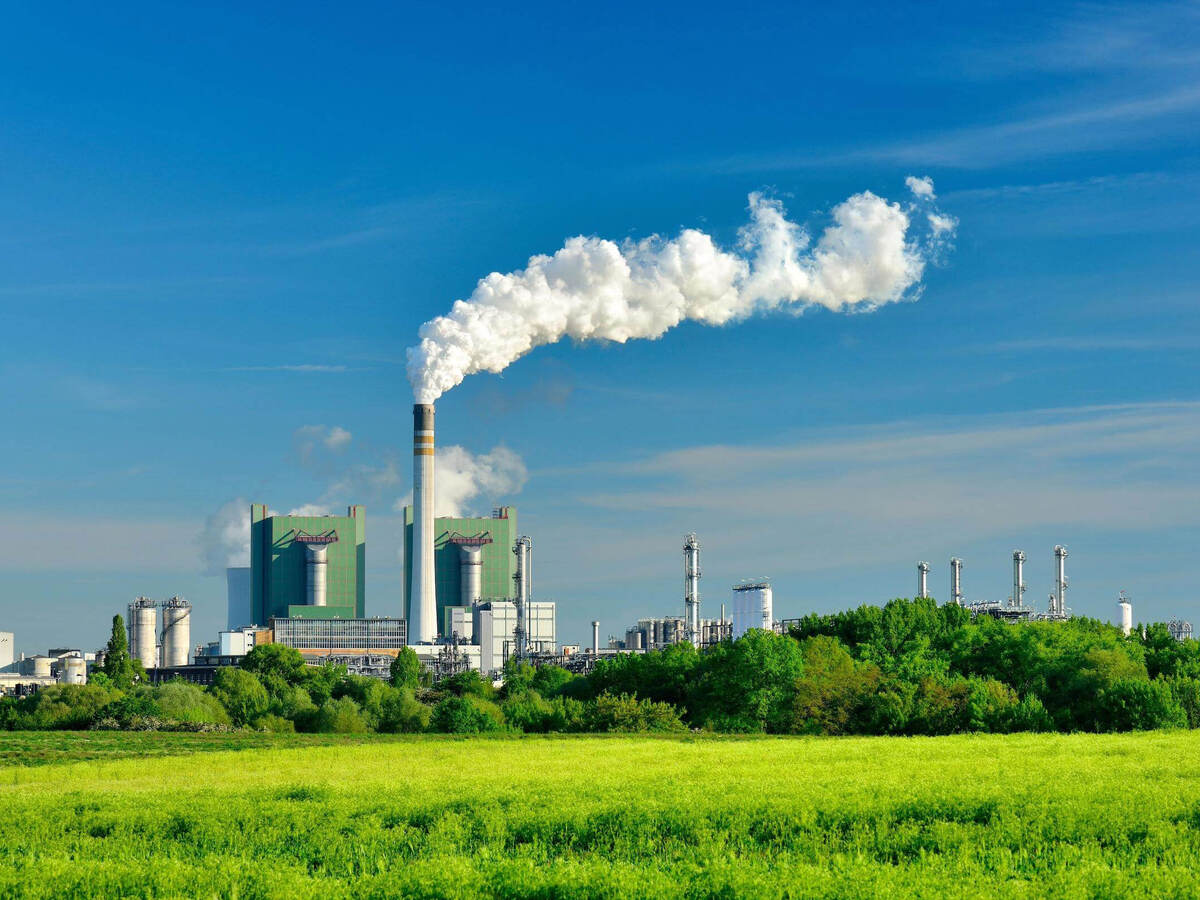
(753, 606)
(470, 570)
(72, 670)
(143, 632)
(39, 666)
(177, 632)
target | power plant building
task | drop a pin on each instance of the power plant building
(467, 552)
(494, 625)
(307, 566)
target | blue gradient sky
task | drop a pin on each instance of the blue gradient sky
(220, 226)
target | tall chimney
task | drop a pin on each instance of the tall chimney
(422, 627)
(595, 638)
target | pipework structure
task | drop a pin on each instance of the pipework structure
(523, 592)
(691, 590)
(956, 594)
(422, 612)
(923, 580)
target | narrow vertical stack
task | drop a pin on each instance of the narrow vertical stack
(422, 627)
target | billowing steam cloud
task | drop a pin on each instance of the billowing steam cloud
(464, 477)
(598, 289)
(225, 540)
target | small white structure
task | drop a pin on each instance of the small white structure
(753, 606)
(72, 670)
(495, 631)
(7, 643)
(1125, 608)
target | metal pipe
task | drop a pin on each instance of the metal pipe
(423, 593)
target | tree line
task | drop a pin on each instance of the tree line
(908, 668)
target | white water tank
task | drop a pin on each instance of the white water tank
(1126, 610)
(753, 607)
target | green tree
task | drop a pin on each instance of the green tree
(406, 669)
(832, 693)
(402, 713)
(241, 693)
(747, 685)
(119, 668)
(179, 701)
(469, 683)
(269, 661)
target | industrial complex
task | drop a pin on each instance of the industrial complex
(468, 600)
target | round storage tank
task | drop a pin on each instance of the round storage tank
(753, 607)
(39, 666)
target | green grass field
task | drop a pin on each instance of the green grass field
(134, 815)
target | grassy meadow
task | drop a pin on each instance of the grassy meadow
(140, 815)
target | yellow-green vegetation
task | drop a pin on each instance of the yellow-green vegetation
(1030, 815)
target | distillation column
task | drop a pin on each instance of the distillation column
(422, 626)
(956, 596)
(595, 638)
(691, 590)
(1059, 604)
(523, 548)
(1018, 593)
(923, 580)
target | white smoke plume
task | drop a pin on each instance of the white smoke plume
(464, 477)
(225, 540)
(597, 289)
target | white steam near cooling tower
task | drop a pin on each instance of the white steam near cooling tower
(874, 252)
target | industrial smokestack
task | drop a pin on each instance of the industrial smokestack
(1018, 594)
(923, 580)
(595, 638)
(422, 627)
(523, 583)
(956, 595)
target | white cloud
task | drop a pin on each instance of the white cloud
(921, 187)
(308, 438)
(310, 509)
(225, 539)
(463, 479)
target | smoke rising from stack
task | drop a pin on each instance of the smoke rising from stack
(874, 252)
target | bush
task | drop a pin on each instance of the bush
(1131, 704)
(469, 683)
(341, 716)
(528, 711)
(626, 713)
(468, 714)
(183, 702)
(274, 724)
(61, 706)
(402, 713)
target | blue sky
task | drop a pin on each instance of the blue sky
(224, 226)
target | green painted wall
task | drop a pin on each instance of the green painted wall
(277, 567)
(499, 563)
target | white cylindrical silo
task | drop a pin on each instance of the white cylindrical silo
(143, 632)
(177, 632)
(72, 670)
(753, 607)
(422, 613)
(470, 574)
(39, 666)
(1126, 610)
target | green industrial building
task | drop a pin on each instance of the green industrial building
(310, 567)
(493, 535)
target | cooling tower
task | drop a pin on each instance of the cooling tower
(422, 627)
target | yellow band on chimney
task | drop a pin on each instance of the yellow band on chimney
(422, 451)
